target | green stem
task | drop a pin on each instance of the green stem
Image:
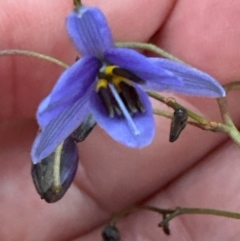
(210, 126)
(203, 211)
(227, 127)
(173, 104)
(77, 3)
(223, 106)
(33, 54)
(232, 86)
(230, 127)
(149, 47)
(169, 214)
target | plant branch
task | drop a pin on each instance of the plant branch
(232, 86)
(173, 104)
(210, 126)
(33, 54)
(169, 214)
(230, 127)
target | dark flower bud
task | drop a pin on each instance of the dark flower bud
(53, 175)
(110, 233)
(178, 123)
(84, 129)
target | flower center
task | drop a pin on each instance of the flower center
(118, 94)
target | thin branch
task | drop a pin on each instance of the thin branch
(203, 211)
(169, 214)
(77, 3)
(230, 127)
(210, 126)
(223, 106)
(232, 86)
(173, 104)
(33, 54)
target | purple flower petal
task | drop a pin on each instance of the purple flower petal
(69, 162)
(195, 82)
(118, 128)
(60, 128)
(72, 85)
(89, 31)
(142, 67)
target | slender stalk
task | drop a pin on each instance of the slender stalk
(33, 54)
(232, 86)
(203, 211)
(210, 126)
(77, 3)
(173, 104)
(169, 214)
(230, 127)
(223, 106)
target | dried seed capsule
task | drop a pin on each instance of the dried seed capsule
(84, 129)
(178, 123)
(110, 233)
(53, 175)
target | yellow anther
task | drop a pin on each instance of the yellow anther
(109, 69)
(102, 83)
(111, 77)
(117, 80)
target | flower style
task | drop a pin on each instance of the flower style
(109, 83)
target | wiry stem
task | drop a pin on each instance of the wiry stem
(169, 214)
(210, 126)
(204, 211)
(222, 102)
(232, 86)
(77, 3)
(172, 103)
(33, 54)
(230, 127)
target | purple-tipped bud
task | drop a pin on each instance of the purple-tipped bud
(45, 173)
(110, 233)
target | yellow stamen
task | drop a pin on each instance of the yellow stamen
(117, 80)
(101, 83)
(109, 69)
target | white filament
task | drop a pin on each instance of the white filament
(124, 110)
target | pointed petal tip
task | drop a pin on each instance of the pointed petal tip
(195, 82)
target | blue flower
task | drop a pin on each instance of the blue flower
(109, 83)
